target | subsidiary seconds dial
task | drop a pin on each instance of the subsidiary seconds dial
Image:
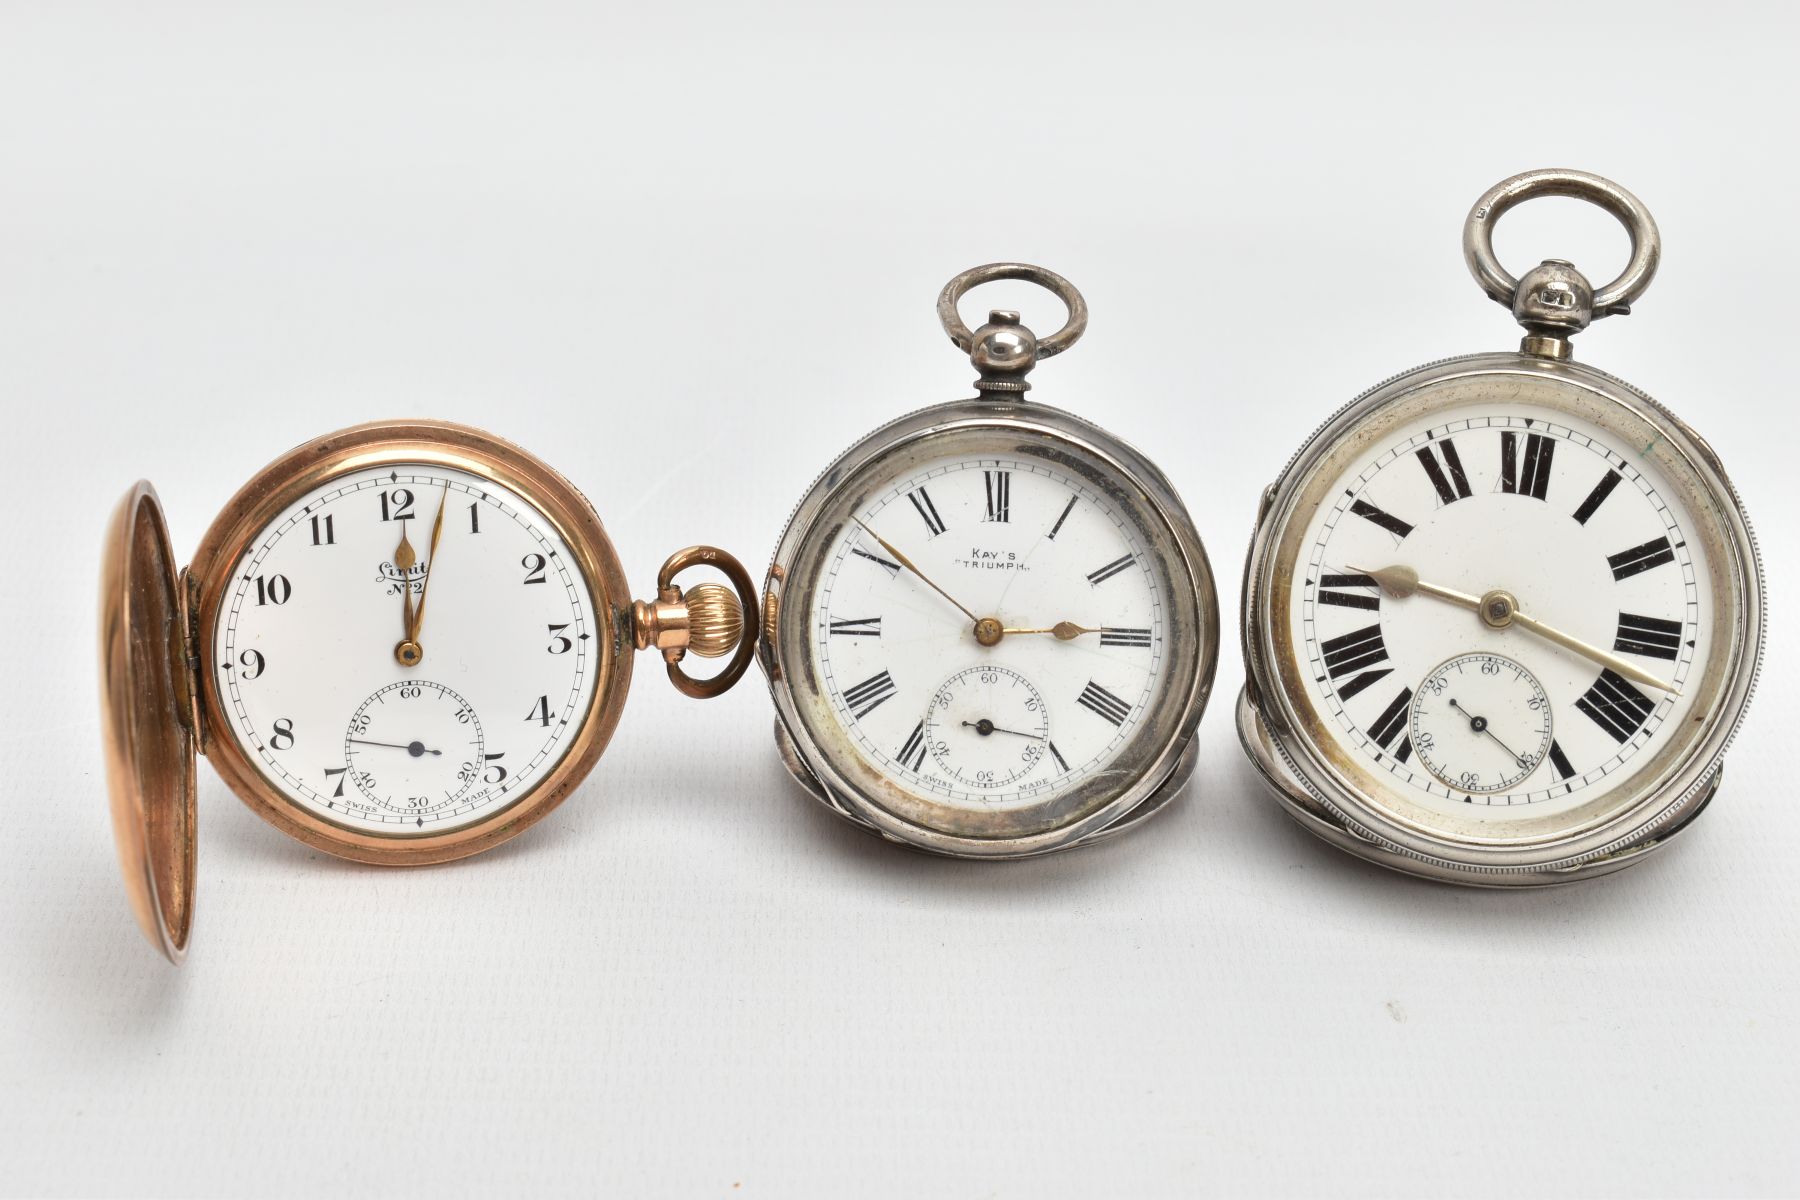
(987, 727)
(1481, 723)
(414, 748)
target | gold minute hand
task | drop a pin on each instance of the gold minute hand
(1498, 609)
(908, 564)
(437, 532)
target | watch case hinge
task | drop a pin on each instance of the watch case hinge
(187, 656)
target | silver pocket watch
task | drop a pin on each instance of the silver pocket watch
(990, 627)
(1503, 613)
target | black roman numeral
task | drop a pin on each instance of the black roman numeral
(1392, 723)
(1526, 474)
(870, 695)
(1639, 559)
(1615, 705)
(1057, 755)
(921, 500)
(1597, 497)
(1067, 509)
(1351, 652)
(1110, 569)
(1653, 637)
(1387, 520)
(892, 568)
(912, 754)
(1560, 761)
(1124, 637)
(857, 627)
(1448, 476)
(1098, 700)
(999, 495)
(1328, 593)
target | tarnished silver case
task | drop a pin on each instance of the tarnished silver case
(1318, 792)
(785, 649)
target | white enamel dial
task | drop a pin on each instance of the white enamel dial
(1030, 546)
(1581, 528)
(305, 650)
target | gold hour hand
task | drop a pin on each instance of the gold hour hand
(1064, 631)
(1498, 609)
(406, 651)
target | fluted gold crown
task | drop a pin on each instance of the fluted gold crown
(715, 620)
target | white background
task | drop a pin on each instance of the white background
(687, 256)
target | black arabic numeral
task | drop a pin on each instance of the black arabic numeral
(273, 589)
(534, 565)
(253, 663)
(283, 736)
(396, 505)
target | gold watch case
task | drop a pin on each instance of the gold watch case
(158, 710)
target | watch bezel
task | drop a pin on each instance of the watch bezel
(784, 655)
(1658, 799)
(434, 444)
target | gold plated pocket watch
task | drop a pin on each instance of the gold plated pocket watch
(990, 627)
(1503, 613)
(400, 643)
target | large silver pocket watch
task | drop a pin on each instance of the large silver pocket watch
(990, 626)
(1503, 613)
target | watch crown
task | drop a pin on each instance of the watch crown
(708, 619)
(715, 620)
